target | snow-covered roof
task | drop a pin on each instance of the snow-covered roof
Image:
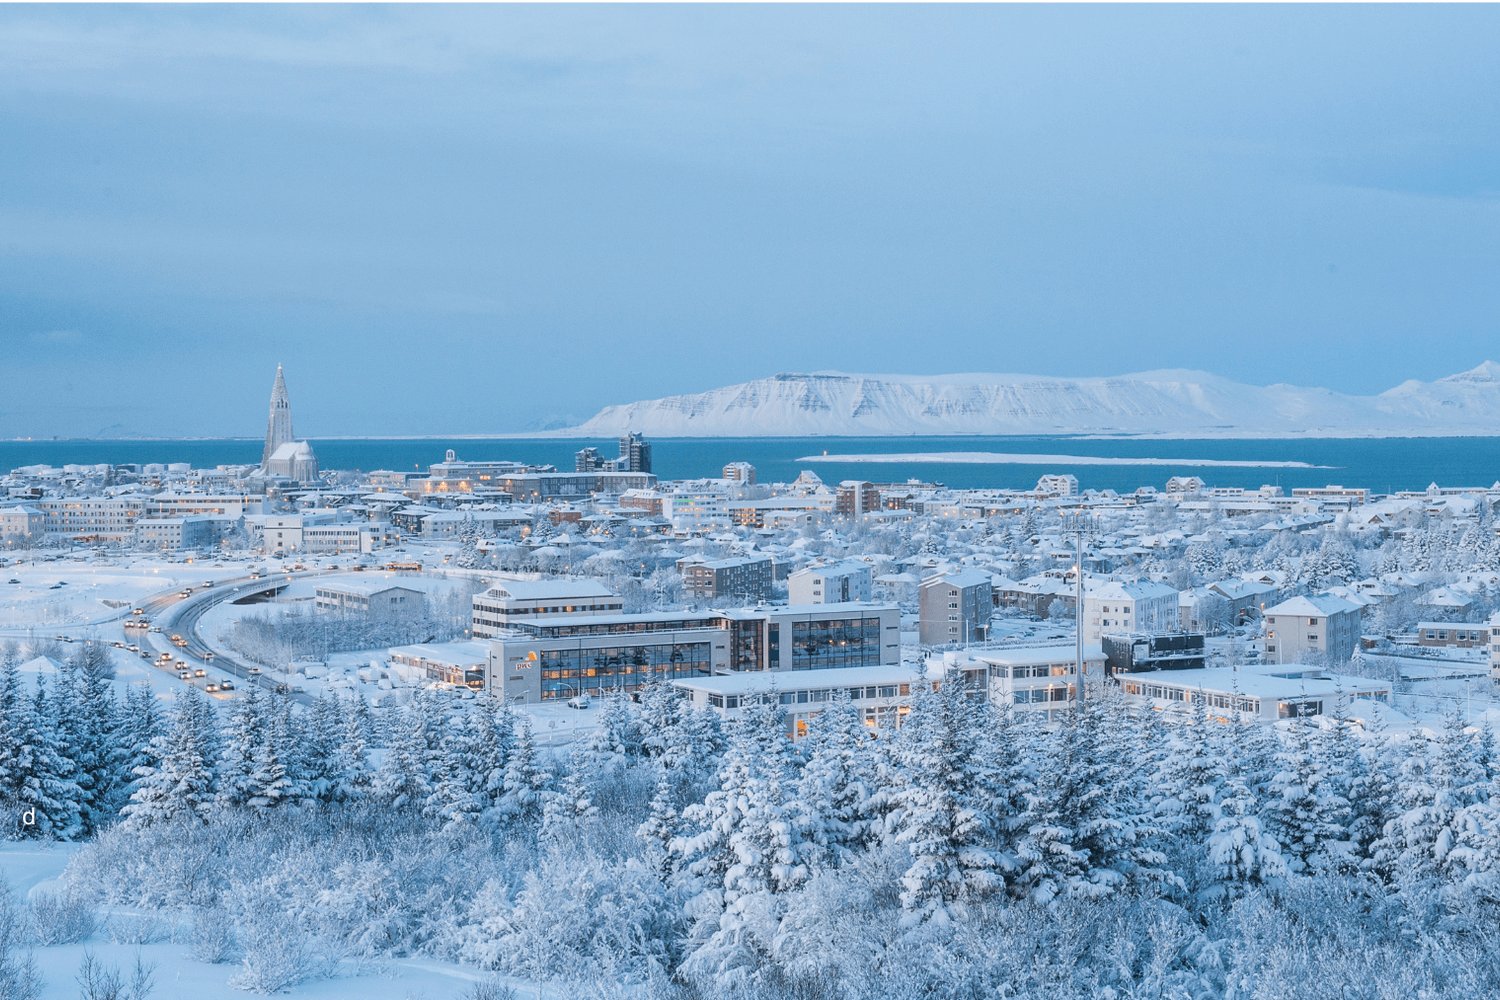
(1317, 606)
(548, 590)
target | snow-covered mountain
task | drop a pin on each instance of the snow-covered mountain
(1171, 403)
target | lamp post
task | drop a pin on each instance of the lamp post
(1079, 525)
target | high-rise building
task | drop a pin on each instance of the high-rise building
(635, 454)
(279, 426)
(587, 460)
(740, 472)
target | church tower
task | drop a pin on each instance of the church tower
(279, 427)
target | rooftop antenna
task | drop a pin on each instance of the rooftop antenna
(1079, 525)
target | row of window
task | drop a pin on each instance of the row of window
(813, 696)
(1042, 670)
(568, 672)
(1034, 696)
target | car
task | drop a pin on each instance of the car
(134, 649)
(581, 701)
(209, 655)
(119, 645)
(156, 628)
(138, 611)
(206, 584)
(280, 689)
(176, 637)
(200, 672)
(226, 685)
(13, 580)
(255, 671)
(145, 655)
(211, 688)
(184, 675)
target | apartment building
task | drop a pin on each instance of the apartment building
(1137, 606)
(1319, 628)
(92, 519)
(955, 607)
(831, 584)
(853, 498)
(739, 578)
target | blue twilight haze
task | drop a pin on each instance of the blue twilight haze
(453, 220)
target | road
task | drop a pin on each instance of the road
(182, 617)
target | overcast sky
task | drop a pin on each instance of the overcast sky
(468, 219)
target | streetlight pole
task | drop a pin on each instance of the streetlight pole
(1078, 525)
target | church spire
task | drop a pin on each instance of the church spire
(279, 426)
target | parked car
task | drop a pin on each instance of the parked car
(581, 701)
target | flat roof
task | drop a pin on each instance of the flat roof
(1021, 656)
(473, 651)
(547, 590)
(1222, 680)
(754, 681)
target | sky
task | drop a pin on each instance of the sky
(482, 219)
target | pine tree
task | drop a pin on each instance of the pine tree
(570, 808)
(525, 783)
(943, 818)
(746, 851)
(1300, 812)
(1239, 848)
(248, 733)
(178, 787)
(834, 787)
(402, 783)
(661, 826)
(350, 771)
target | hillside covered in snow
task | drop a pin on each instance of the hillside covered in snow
(1170, 403)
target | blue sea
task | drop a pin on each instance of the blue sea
(1382, 465)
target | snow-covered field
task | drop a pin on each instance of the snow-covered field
(29, 868)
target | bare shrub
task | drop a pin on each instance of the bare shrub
(489, 989)
(213, 935)
(99, 982)
(19, 977)
(275, 957)
(137, 928)
(61, 918)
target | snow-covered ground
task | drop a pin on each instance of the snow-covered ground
(30, 868)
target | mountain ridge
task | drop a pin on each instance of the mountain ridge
(1162, 403)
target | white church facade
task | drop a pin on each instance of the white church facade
(284, 456)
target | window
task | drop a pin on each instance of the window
(1312, 621)
(1312, 637)
(716, 700)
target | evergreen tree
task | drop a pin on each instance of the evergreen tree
(178, 786)
(248, 733)
(526, 784)
(943, 817)
(834, 787)
(350, 771)
(569, 809)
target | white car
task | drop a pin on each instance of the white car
(582, 701)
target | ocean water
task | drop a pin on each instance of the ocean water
(1380, 464)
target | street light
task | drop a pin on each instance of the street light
(1079, 525)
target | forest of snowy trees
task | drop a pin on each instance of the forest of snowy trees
(966, 854)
